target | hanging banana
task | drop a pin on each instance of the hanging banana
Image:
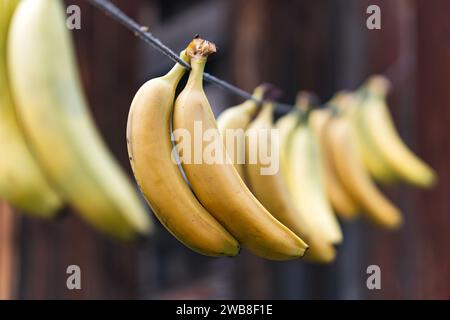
(306, 180)
(351, 106)
(218, 185)
(340, 199)
(150, 151)
(272, 189)
(349, 165)
(386, 140)
(60, 130)
(22, 182)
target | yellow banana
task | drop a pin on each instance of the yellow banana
(217, 185)
(272, 191)
(52, 110)
(306, 180)
(232, 124)
(150, 150)
(22, 182)
(351, 105)
(340, 199)
(286, 125)
(350, 168)
(386, 140)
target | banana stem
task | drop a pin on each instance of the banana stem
(198, 51)
(196, 75)
(177, 72)
(305, 103)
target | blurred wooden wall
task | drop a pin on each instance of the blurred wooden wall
(431, 139)
(414, 45)
(320, 45)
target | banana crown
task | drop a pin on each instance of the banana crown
(198, 51)
(200, 48)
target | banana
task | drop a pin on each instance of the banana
(59, 128)
(22, 182)
(386, 140)
(286, 125)
(272, 190)
(150, 150)
(217, 185)
(352, 107)
(306, 180)
(232, 124)
(341, 201)
(350, 168)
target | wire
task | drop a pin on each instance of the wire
(142, 32)
(395, 72)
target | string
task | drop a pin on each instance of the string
(142, 32)
(393, 72)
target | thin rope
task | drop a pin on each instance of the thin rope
(142, 32)
(394, 71)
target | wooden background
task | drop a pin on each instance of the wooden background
(320, 45)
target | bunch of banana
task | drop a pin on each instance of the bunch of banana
(342, 146)
(150, 150)
(218, 185)
(385, 155)
(389, 157)
(59, 129)
(22, 182)
(327, 156)
(273, 192)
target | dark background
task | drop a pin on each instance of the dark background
(320, 45)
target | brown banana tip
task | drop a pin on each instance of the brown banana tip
(234, 254)
(200, 48)
(239, 248)
(270, 91)
(305, 252)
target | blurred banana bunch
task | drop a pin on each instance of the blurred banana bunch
(51, 151)
(22, 181)
(380, 139)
